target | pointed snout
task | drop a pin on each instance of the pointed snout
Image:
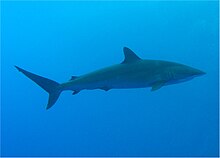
(188, 71)
(198, 72)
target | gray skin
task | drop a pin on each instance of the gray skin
(133, 72)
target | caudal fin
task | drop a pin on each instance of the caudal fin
(48, 85)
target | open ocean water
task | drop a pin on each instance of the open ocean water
(58, 39)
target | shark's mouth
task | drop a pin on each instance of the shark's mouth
(180, 80)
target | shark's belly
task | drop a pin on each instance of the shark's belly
(136, 80)
(117, 77)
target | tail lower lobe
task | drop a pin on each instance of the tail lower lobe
(48, 85)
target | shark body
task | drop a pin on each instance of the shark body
(133, 72)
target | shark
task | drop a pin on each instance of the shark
(132, 72)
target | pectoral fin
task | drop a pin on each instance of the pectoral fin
(157, 85)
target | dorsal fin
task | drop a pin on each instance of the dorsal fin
(73, 78)
(130, 56)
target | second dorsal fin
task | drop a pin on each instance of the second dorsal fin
(130, 56)
(73, 77)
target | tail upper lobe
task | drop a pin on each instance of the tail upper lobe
(48, 85)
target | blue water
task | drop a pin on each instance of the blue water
(61, 39)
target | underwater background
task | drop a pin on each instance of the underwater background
(58, 39)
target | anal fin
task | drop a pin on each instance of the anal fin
(75, 92)
(105, 88)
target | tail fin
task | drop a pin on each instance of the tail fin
(48, 85)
